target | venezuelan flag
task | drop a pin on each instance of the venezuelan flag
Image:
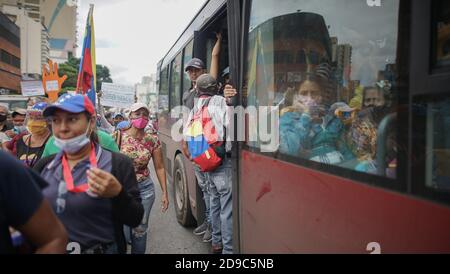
(87, 74)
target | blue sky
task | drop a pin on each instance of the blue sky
(133, 35)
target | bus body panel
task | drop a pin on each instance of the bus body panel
(172, 150)
(292, 209)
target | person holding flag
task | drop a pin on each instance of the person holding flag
(86, 84)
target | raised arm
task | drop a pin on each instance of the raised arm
(215, 60)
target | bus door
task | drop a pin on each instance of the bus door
(347, 119)
(430, 102)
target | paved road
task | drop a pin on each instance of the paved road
(166, 236)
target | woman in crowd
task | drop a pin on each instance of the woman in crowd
(93, 191)
(309, 128)
(143, 146)
(30, 147)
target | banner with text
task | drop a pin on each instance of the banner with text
(120, 96)
(32, 88)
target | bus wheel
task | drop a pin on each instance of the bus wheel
(181, 194)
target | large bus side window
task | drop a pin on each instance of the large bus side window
(434, 116)
(175, 87)
(330, 69)
(188, 53)
(431, 115)
(163, 98)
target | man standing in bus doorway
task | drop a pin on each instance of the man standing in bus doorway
(218, 173)
(195, 68)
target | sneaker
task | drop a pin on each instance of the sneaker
(201, 229)
(207, 238)
(217, 249)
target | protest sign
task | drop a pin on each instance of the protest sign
(32, 88)
(119, 96)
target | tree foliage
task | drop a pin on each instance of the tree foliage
(70, 68)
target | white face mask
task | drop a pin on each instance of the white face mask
(20, 129)
(75, 144)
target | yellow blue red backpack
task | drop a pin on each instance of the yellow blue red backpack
(205, 146)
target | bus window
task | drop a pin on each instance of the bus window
(188, 53)
(329, 70)
(175, 87)
(437, 144)
(164, 91)
(442, 15)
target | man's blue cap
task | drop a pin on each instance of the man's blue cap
(118, 114)
(71, 103)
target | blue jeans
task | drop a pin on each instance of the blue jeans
(139, 234)
(222, 206)
(202, 180)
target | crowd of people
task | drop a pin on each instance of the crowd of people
(76, 178)
(336, 133)
(86, 173)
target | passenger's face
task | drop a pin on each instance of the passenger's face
(311, 91)
(18, 120)
(372, 98)
(67, 125)
(194, 73)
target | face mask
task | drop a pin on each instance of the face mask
(20, 129)
(37, 127)
(73, 145)
(2, 118)
(140, 123)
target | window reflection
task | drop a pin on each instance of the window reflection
(443, 32)
(330, 68)
(438, 145)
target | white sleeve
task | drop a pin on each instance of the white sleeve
(4, 138)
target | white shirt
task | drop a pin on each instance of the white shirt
(4, 138)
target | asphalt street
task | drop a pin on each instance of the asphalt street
(166, 236)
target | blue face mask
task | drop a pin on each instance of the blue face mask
(73, 145)
(19, 129)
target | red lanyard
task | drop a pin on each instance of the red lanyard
(67, 174)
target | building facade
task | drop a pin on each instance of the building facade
(10, 75)
(146, 92)
(34, 35)
(60, 19)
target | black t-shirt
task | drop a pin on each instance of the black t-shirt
(6, 127)
(189, 98)
(28, 155)
(20, 197)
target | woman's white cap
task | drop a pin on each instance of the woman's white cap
(139, 106)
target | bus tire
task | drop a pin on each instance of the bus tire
(181, 194)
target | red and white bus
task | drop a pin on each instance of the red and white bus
(392, 193)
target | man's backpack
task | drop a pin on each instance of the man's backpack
(203, 141)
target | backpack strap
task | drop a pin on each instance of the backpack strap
(118, 138)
